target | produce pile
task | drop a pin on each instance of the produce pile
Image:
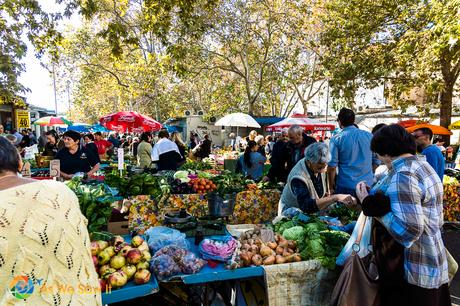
(191, 165)
(313, 239)
(95, 203)
(137, 184)
(219, 249)
(451, 199)
(117, 262)
(275, 250)
(172, 260)
(171, 254)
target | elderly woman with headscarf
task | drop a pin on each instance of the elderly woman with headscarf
(44, 240)
(306, 184)
(75, 159)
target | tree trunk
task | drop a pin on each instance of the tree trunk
(446, 109)
(251, 108)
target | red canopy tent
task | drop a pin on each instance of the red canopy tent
(303, 121)
(131, 122)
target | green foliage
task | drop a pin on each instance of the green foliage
(194, 166)
(138, 184)
(229, 183)
(410, 46)
(281, 226)
(345, 214)
(19, 18)
(95, 203)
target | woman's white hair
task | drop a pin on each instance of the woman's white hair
(317, 152)
(259, 138)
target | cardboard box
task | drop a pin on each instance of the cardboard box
(118, 227)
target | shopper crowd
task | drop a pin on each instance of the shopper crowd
(379, 173)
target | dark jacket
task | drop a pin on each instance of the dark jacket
(285, 156)
(205, 149)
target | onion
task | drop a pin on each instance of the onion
(283, 243)
(257, 260)
(272, 245)
(280, 259)
(279, 250)
(245, 257)
(265, 251)
(269, 260)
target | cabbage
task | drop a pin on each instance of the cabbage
(314, 249)
(182, 176)
(296, 233)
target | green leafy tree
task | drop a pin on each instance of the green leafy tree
(21, 19)
(410, 46)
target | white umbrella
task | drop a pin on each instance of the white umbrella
(237, 119)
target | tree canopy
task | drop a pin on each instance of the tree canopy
(410, 46)
(263, 57)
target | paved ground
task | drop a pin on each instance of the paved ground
(452, 241)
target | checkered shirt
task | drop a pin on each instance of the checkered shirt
(416, 219)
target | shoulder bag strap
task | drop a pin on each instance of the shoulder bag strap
(356, 245)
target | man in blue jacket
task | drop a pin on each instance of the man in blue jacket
(434, 157)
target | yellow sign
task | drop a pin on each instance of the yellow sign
(22, 119)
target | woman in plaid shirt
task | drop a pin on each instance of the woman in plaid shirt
(408, 203)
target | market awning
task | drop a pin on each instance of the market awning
(455, 125)
(436, 129)
(268, 120)
(303, 121)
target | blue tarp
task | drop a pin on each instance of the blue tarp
(268, 120)
(173, 128)
(99, 128)
(78, 128)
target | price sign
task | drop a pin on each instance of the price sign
(121, 159)
(55, 168)
(22, 119)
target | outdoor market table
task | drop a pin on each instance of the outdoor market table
(251, 207)
(218, 273)
(130, 290)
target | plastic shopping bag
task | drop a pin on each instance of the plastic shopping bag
(364, 244)
(160, 236)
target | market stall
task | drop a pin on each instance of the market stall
(302, 121)
(234, 218)
(452, 195)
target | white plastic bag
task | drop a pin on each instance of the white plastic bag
(364, 244)
(30, 152)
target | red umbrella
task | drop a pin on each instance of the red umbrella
(303, 121)
(130, 121)
(408, 123)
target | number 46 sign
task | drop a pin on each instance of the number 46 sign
(22, 119)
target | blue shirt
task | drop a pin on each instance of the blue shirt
(435, 159)
(257, 166)
(351, 154)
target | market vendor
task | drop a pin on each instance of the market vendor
(306, 184)
(53, 145)
(75, 159)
